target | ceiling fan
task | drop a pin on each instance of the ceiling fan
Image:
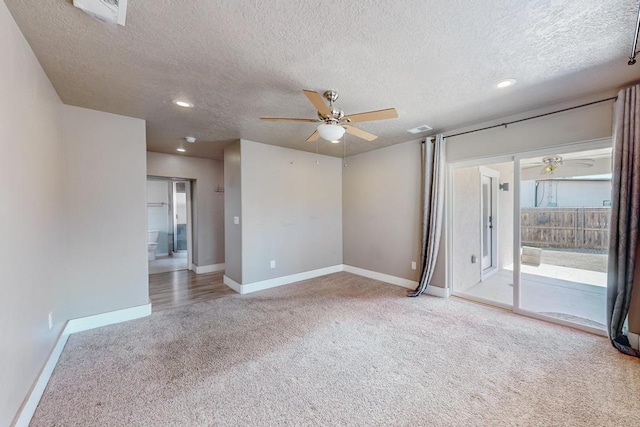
(333, 122)
(550, 163)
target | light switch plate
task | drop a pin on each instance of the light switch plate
(236, 220)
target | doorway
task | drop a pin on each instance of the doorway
(168, 224)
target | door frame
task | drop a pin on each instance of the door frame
(174, 184)
(190, 219)
(494, 176)
(515, 158)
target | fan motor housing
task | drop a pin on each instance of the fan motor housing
(552, 160)
(335, 116)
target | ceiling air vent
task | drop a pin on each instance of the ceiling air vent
(113, 11)
(420, 129)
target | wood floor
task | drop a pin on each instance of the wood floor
(178, 288)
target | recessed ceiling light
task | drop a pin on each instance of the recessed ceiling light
(185, 104)
(182, 150)
(505, 83)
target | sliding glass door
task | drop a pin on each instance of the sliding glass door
(565, 201)
(553, 207)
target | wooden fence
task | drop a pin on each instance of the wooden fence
(581, 228)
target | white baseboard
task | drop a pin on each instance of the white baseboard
(285, 280)
(202, 269)
(279, 281)
(634, 340)
(438, 291)
(29, 407)
(104, 319)
(399, 281)
(75, 325)
(232, 284)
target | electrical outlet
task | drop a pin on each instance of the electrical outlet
(50, 319)
(413, 265)
(273, 263)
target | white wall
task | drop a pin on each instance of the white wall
(505, 214)
(466, 231)
(158, 213)
(208, 206)
(31, 218)
(106, 211)
(466, 228)
(291, 211)
(232, 209)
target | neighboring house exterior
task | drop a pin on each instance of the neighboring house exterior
(566, 192)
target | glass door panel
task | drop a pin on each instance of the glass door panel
(180, 216)
(565, 204)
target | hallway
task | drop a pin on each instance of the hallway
(178, 288)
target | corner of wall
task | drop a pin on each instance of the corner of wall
(233, 215)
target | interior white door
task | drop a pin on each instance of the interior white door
(487, 222)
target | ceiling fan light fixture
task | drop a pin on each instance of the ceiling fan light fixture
(335, 141)
(331, 132)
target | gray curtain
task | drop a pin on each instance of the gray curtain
(625, 214)
(433, 166)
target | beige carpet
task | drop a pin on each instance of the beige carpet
(339, 350)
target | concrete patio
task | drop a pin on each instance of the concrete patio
(572, 294)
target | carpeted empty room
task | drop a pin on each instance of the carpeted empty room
(339, 350)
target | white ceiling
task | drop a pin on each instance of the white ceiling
(436, 62)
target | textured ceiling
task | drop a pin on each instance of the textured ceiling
(436, 62)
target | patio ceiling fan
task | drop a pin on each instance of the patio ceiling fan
(550, 163)
(333, 122)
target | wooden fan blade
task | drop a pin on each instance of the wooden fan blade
(318, 101)
(287, 119)
(360, 133)
(314, 136)
(389, 113)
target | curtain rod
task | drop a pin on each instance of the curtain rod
(613, 98)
